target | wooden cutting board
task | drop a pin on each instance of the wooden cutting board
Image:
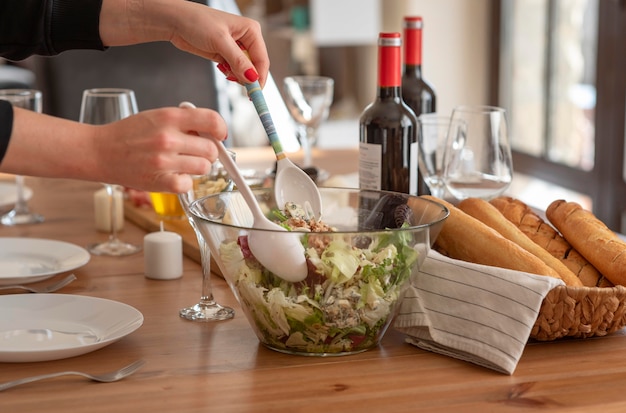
(148, 220)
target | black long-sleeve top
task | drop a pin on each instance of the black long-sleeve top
(47, 28)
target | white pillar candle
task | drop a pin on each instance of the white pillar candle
(102, 210)
(163, 255)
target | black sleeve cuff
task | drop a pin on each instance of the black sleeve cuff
(6, 126)
(75, 25)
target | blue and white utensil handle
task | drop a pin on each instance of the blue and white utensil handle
(255, 93)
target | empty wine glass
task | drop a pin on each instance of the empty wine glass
(207, 309)
(20, 214)
(308, 99)
(99, 107)
(432, 144)
(478, 162)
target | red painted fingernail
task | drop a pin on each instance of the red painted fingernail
(221, 68)
(231, 78)
(251, 75)
(240, 45)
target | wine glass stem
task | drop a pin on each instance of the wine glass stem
(20, 204)
(206, 297)
(307, 140)
(112, 213)
(438, 190)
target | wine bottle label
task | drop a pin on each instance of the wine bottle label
(370, 165)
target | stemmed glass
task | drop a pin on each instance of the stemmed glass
(99, 107)
(308, 99)
(20, 214)
(207, 309)
(432, 144)
(478, 162)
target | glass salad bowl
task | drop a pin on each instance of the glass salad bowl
(358, 267)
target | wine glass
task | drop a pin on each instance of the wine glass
(308, 99)
(20, 214)
(98, 107)
(207, 309)
(478, 162)
(432, 144)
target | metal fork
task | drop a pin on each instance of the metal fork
(102, 378)
(43, 289)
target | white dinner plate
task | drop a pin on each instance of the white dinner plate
(8, 195)
(43, 327)
(27, 260)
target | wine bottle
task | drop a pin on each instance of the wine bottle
(388, 128)
(417, 93)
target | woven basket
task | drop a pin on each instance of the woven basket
(580, 312)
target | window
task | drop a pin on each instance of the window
(561, 74)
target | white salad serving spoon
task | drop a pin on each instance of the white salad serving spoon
(291, 183)
(276, 241)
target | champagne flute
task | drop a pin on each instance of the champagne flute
(207, 309)
(432, 141)
(99, 107)
(20, 214)
(478, 161)
(308, 99)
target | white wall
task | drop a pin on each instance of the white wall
(455, 46)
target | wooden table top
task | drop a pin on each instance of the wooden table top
(220, 366)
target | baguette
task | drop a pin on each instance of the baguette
(465, 238)
(544, 235)
(591, 237)
(489, 215)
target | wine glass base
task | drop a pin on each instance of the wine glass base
(113, 248)
(207, 312)
(14, 218)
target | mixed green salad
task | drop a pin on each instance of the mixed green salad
(345, 303)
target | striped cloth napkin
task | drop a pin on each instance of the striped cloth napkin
(472, 312)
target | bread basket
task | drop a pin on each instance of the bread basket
(580, 312)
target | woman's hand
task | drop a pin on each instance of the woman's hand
(159, 150)
(192, 27)
(155, 150)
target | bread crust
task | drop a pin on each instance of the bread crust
(491, 216)
(544, 235)
(466, 238)
(591, 237)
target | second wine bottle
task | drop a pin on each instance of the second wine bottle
(417, 93)
(388, 128)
